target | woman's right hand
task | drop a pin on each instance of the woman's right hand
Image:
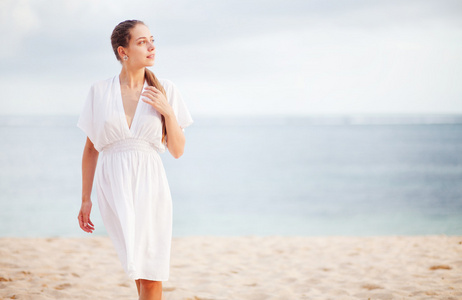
(89, 161)
(84, 217)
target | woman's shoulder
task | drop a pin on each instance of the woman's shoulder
(104, 83)
(164, 80)
(166, 83)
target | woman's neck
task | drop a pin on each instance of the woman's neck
(132, 78)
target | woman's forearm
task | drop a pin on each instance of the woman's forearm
(175, 136)
(89, 160)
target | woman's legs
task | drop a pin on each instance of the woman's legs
(149, 290)
(138, 286)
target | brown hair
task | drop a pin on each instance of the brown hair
(121, 37)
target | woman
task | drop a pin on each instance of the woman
(132, 189)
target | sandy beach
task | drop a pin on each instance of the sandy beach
(391, 267)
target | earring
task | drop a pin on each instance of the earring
(125, 57)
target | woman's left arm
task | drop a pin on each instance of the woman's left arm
(175, 136)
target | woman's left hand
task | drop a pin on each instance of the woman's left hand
(157, 99)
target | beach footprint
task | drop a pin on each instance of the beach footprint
(63, 286)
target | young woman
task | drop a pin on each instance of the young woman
(132, 188)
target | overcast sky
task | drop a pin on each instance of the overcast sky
(242, 57)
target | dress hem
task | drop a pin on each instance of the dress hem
(148, 278)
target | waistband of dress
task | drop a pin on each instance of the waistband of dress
(130, 144)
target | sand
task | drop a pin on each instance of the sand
(411, 267)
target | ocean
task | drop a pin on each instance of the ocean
(267, 175)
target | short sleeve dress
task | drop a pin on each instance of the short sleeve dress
(132, 189)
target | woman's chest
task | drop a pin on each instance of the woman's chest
(130, 98)
(135, 119)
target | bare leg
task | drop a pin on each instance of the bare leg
(150, 290)
(138, 286)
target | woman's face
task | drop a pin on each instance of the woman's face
(140, 50)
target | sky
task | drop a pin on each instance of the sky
(250, 57)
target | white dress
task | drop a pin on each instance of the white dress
(130, 181)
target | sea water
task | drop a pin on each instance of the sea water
(307, 176)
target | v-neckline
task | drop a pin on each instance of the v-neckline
(121, 103)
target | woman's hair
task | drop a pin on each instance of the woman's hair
(121, 37)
